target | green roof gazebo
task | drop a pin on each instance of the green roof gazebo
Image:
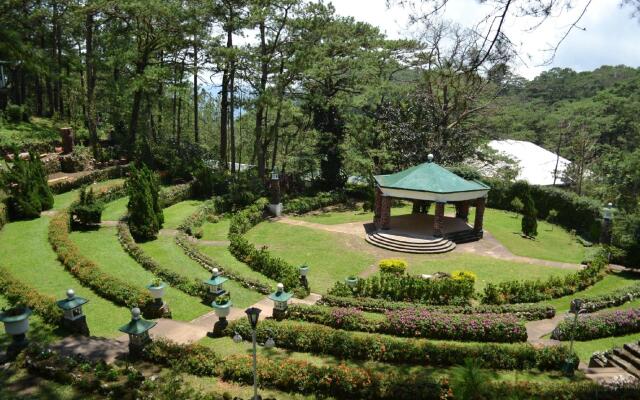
(430, 183)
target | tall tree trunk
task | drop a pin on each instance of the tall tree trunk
(232, 129)
(264, 67)
(90, 117)
(224, 104)
(196, 129)
(137, 99)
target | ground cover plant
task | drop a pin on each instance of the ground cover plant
(614, 298)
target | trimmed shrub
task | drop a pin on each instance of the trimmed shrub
(320, 339)
(145, 213)
(301, 205)
(207, 263)
(441, 291)
(418, 323)
(578, 390)
(171, 195)
(87, 211)
(193, 287)
(207, 211)
(606, 324)
(29, 193)
(336, 381)
(611, 299)
(529, 214)
(261, 260)
(527, 312)
(19, 293)
(553, 287)
(395, 266)
(89, 274)
(95, 176)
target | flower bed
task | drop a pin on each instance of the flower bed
(261, 260)
(19, 293)
(524, 311)
(578, 390)
(533, 291)
(301, 205)
(336, 381)
(207, 263)
(320, 339)
(192, 287)
(443, 291)
(411, 322)
(89, 274)
(611, 299)
(606, 324)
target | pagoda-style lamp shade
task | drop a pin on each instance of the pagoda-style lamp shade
(137, 329)
(72, 305)
(216, 281)
(607, 211)
(253, 314)
(280, 298)
(274, 174)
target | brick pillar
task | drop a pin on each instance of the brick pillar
(477, 224)
(438, 219)
(377, 211)
(385, 212)
(416, 209)
(462, 210)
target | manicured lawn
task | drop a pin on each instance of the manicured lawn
(167, 253)
(102, 247)
(330, 260)
(221, 255)
(586, 349)
(115, 210)
(64, 200)
(342, 215)
(487, 269)
(552, 243)
(37, 131)
(174, 215)
(28, 256)
(216, 231)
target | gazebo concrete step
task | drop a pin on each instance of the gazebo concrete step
(627, 356)
(396, 241)
(617, 361)
(463, 236)
(442, 247)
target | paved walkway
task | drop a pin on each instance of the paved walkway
(537, 329)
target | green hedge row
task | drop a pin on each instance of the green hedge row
(19, 293)
(114, 172)
(207, 263)
(320, 339)
(290, 375)
(524, 311)
(261, 260)
(578, 390)
(207, 211)
(553, 287)
(574, 212)
(600, 325)
(174, 194)
(89, 274)
(612, 299)
(419, 323)
(192, 287)
(443, 291)
(301, 205)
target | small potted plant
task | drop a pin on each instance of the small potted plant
(351, 281)
(16, 320)
(222, 305)
(156, 288)
(304, 270)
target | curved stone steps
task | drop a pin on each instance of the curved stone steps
(410, 245)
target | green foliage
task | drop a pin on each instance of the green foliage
(145, 213)
(66, 185)
(14, 113)
(614, 298)
(26, 182)
(209, 182)
(529, 214)
(87, 211)
(395, 266)
(301, 205)
(441, 291)
(517, 205)
(470, 381)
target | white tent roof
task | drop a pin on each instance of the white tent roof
(536, 164)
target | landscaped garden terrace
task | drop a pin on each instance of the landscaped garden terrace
(363, 323)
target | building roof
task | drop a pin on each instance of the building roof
(536, 164)
(430, 181)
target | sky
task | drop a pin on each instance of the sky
(609, 34)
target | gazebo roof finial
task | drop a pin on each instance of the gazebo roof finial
(430, 157)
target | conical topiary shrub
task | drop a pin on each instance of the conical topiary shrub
(29, 193)
(529, 212)
(145, 215)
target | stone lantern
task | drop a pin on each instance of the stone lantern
(275, 203)
(280, 302)
(138, 331)
(215, 284)
(16, 324)
(607, 220)
(74, 319)
(304, 270)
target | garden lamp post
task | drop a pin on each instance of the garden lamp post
(576, 309)
(607, 219)
(74, 319)
(275, 201)
(215, 284)
(253, 314)
(304, 270)
(280, 302)
(138, 331)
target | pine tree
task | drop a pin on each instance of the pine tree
(145, 215)
(529, 212)
(29, 193)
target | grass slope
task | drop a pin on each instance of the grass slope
(216, 231)
(222, 255)
(342, 215)
(102, 247)
(115, 210)
(64, 200)
(39, 131)
(167, 253)
(27, 254)
(174, 215)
